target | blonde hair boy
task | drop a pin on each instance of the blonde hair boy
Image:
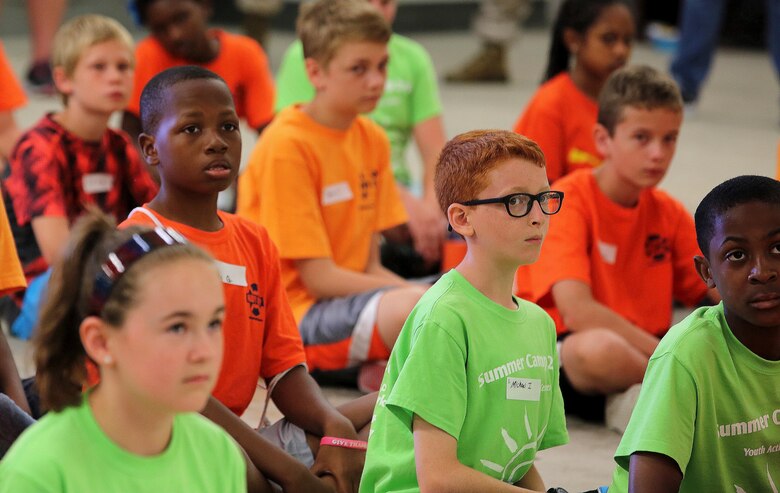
(75, 36)
(71, 159)
(323, 27)
(321, 182)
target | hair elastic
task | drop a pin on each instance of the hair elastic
(124, 256)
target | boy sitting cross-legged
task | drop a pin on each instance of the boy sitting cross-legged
(708, 416)
(620, 252)
(471, 389)
(191, 136)
(320, 181)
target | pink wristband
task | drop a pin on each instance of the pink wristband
(344, 442)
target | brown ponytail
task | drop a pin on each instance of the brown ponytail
(59, 355)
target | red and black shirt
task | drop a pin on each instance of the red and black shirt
(55, 173)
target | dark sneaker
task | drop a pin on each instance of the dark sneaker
(489, 65)
(39, 78)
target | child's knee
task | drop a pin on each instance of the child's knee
(595, 352)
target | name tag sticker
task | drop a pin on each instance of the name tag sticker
(338, 192)
(97, 182)
(608, 252)
(232, 274)
(523, 389)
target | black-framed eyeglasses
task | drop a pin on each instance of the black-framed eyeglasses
(119, 260)
(520, 204)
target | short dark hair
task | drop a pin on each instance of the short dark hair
(138, 9)
(153, 96)
(638, 86)
(579, 16)
(726, 196)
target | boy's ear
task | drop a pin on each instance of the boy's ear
(458, 217)
(94, 337)
(602, 139)
(703, 269)
(314, 71)
(61, 81)
(148, 150)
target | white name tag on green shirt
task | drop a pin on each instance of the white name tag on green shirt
(523, 389)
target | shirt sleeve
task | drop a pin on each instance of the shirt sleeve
(146, 60)
(11, 276)
(433, 388)
(35, 184)
(689, 288)
(391, 211)
(664, 417)
(282, 345)
(12, 96)
(425, 93)
(556, 433)
(565, 252)
(259, 91)
(544, 126)
(291, 80)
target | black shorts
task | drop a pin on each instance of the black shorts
(589, 407)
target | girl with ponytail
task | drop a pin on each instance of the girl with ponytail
(145, 308)
(590, 40)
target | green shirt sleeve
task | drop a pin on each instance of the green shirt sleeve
(433, 388)
(292, 83)
(425, 102)
(663, 420)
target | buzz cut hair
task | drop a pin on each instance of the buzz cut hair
(729, 194)
(154, 95)
(323, 26)
(638, 86)
(465, 161)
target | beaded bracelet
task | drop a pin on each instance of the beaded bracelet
(344, 442)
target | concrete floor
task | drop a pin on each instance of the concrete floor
(734, 130)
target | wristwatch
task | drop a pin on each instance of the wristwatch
(557, 490)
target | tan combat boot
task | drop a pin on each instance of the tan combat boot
(489, 65)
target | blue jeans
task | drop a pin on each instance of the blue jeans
(700, 24)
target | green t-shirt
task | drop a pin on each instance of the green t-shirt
(411, 94)
(485, 374)
(67, 452)
(711, 405)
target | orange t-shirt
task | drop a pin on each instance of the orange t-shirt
(260, 334)
(320, 192)
(11, 275)
(560, 118)
(11, 93)
(636, 260)
(241, 62)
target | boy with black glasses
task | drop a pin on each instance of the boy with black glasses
(471, 388)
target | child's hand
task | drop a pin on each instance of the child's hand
(344, 466)
(309, 483)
